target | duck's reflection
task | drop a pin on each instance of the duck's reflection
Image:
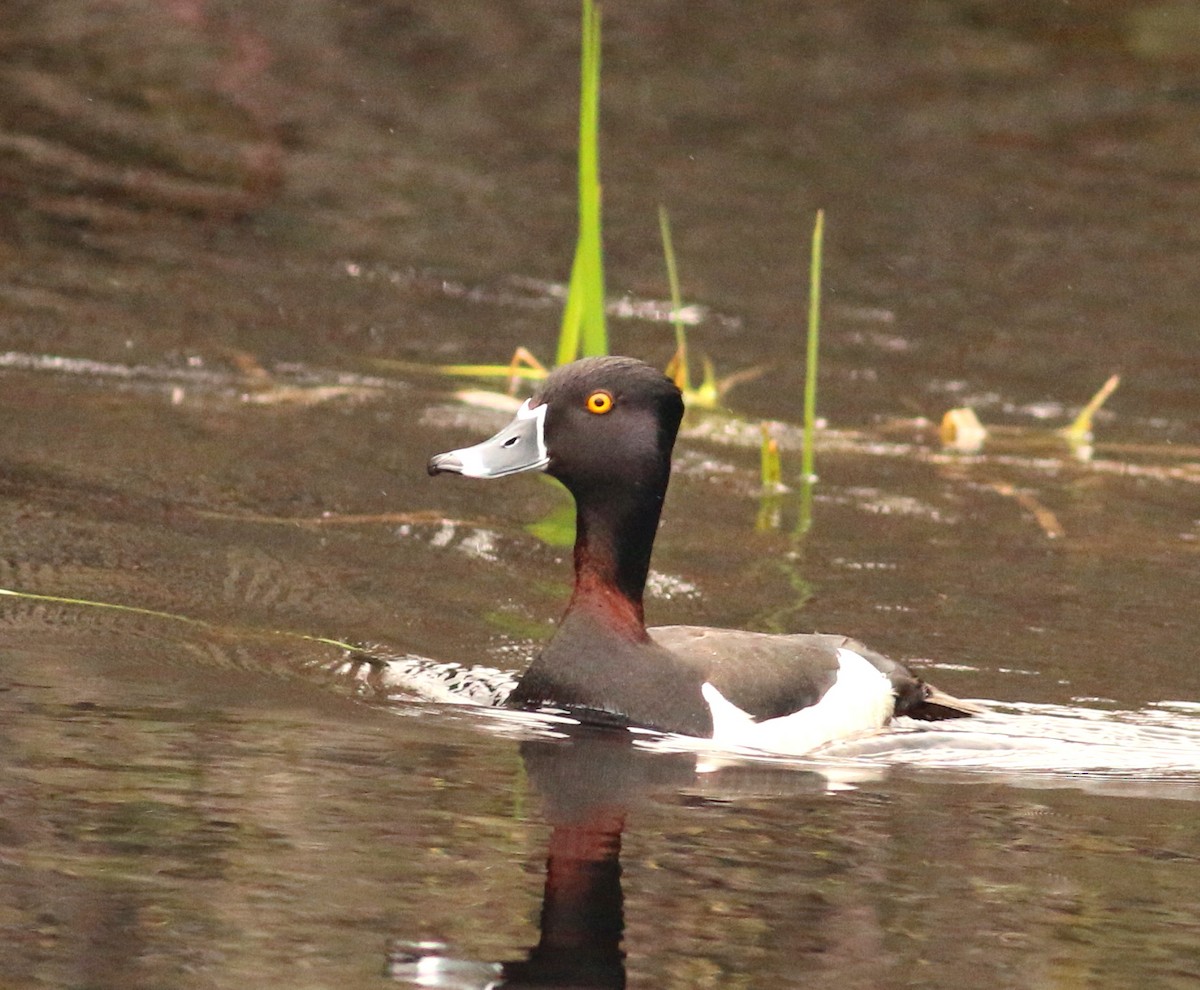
(589, 782)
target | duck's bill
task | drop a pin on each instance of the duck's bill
(520, 446)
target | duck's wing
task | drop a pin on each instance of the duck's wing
(764, 675)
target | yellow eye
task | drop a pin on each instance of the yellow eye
(599, 403)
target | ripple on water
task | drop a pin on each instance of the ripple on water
(1150, 752)
(1156, 745)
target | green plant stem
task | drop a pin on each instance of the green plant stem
(814, 333)
(1080, 430)
(808, 455)
(584, 327)
(683, 378)
(170, 616)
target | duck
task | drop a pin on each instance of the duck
(605, 427)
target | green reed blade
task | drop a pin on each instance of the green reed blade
(807, 457)
(770, 465)
(584, 328)
(814, 332)
(1080, 430)
(572, 321)
(33, 596)
(680, 361)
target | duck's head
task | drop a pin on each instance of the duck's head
(599, 424)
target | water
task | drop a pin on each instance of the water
(209, 416)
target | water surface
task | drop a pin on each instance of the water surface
(228, 236)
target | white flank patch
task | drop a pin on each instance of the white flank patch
(861, 700)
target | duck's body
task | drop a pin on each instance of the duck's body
(606, 427)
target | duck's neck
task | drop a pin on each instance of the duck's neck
(614, 536)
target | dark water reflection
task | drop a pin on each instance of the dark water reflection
(222, 226)
(154, 841)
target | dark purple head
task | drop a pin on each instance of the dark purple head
(599, 425)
